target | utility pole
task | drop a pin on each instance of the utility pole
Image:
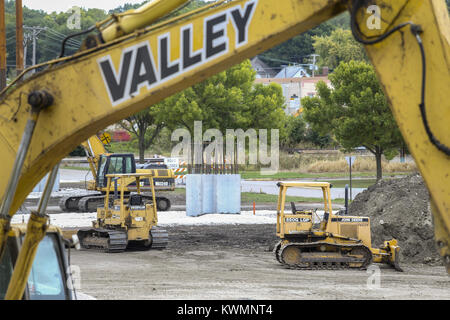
(314, 63)
(2, 46)
(19, 37)
(26, 39)
(35, 31)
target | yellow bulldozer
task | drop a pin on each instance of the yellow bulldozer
(333, 241)
(128, 220)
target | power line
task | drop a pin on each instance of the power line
(48, 50)
(54, 35)
(51, 37)
(55, 38)
(57, 46)
(57, 32)
(62, 36)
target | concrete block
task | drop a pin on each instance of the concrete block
(194, 193)
(228, 193)
(209, 193)
(41, 185)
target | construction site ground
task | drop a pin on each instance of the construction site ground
(226, 261)
(230, 256)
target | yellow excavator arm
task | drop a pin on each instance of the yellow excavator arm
(94, 147)
(131, 66)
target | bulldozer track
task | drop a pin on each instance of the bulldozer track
(276, 250)
(70, 203)
(89, 203)
(325, 263)
(160, 238)
(103, 240)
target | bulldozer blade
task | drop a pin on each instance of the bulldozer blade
(395, 263)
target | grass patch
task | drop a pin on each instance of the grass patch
(361, 164)
(179, 190)
(301, 175)
(249, 197)
(272, 198)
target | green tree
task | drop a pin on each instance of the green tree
(297, 49)
(318, 140)
(298, 132)
(227, 100)
(295, 131)
(355, 111)
(143, 126)
(338, 47)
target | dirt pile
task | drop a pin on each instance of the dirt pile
(399, 208)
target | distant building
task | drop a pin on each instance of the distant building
(120, 136)
(294, 89)
(292, 72)
(262, 69)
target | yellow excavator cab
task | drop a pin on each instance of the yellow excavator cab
(49, 278)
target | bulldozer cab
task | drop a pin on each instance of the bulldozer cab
(49, 278)
(300, 220)
(120, 182)
(121, 209)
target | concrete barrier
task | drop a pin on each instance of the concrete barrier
(41, 185)
(213, 193)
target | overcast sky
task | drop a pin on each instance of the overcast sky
(64, 5)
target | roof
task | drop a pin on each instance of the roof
(293, 80)
(261, 68)
(292, 72)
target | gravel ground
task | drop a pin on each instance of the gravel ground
(234, 262)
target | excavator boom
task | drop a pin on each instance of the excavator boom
(94, 148)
